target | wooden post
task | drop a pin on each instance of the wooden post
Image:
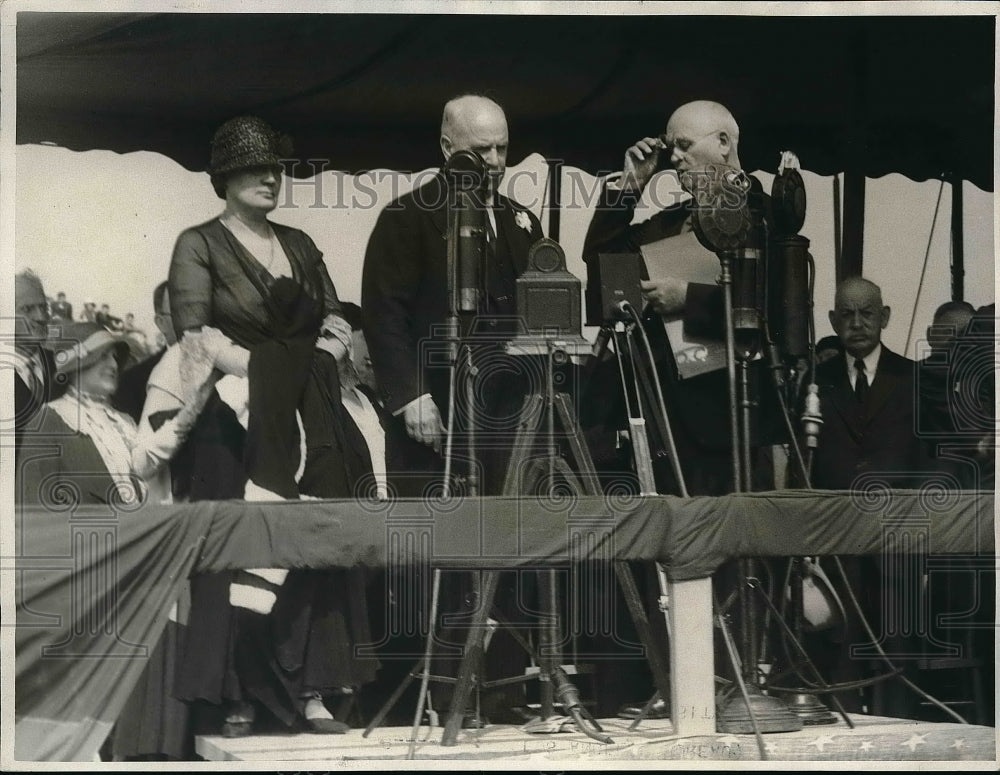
(957, 242)
(692, 663)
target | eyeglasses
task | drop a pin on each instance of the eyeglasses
(683, 145)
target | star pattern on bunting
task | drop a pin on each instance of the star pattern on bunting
(959, 744)
(770, 747)
(822, 741)
(866, 746)
(914, 741)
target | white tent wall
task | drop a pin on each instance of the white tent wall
(101, 225)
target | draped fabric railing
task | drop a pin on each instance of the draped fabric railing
(94, 586)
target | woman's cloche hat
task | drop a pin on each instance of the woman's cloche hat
(83, 344)
(244, 142)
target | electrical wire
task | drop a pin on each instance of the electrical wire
(661, 404)
(923, 271)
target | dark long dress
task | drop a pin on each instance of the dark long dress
(307, 642)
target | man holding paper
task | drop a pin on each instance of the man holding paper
(699, 135)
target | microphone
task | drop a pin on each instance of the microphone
(788, 207)
(466, 174)
(723, 223)
(470, 252)
(812, 417)
(748, 298)
(465, 171)
(792, 316)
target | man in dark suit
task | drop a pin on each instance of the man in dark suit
(62, 309)
(937, 380)
(405, 302)
(35, 372)
(867, 397)
(131, 393)
(405, 292)
(698, 134)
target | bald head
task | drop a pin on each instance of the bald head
(31, 308)
(859, 316)
(701, 133)
(475, 123)
(950, 319)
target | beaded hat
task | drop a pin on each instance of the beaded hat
(244, 142)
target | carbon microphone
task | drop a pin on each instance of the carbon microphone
(722, 221)
(466, 174)
(792, 316)
(790, 309)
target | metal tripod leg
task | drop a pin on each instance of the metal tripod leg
(420, 668)
(472, 659)
(530, 419)
(657, 664)
(578, 446)
(426, 675)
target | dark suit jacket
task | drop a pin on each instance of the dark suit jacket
(131, 393)
(698, 406)
(31, 396)
(62, 309)
(58, 463)
(881, 440)
(404, 294)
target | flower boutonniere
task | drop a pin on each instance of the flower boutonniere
(521, 219)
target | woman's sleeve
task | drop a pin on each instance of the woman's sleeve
(190, 283)
(154, 448)
(331, 302)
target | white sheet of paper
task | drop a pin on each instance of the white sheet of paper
(684, 257)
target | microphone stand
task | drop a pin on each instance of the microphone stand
(463, 301)
(460, 300)
(750, 711)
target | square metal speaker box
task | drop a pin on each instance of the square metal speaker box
(620, 277)
(548, 296)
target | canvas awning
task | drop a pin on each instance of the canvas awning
(866, 95)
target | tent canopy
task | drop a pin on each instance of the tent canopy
(867, 95)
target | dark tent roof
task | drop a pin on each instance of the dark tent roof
(912, 95)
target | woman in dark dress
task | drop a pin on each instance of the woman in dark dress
(254, 299)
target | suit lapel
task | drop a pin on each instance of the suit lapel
(438, 195)
(512, 239)
(886, 380)
(842, 395)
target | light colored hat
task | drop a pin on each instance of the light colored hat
(83, 344)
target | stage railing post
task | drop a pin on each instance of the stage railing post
(692, 663)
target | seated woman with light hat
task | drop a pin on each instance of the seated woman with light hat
(103, 456)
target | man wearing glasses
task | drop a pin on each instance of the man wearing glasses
(33, 364)
(698, 135)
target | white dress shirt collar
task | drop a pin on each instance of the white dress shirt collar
(871, 365)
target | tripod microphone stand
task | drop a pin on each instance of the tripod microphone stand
(536, 468)
(465, 253)
(752, 711)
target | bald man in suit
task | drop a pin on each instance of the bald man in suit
(404, 299)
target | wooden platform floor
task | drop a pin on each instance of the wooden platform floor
(872, 739)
